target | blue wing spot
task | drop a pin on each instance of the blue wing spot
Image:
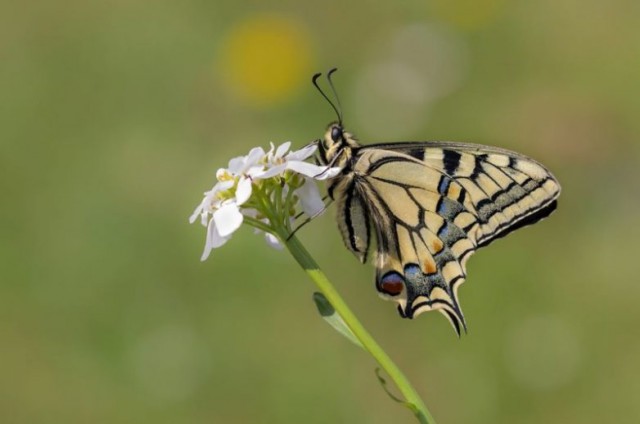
(443, 232)
(443, 210)
(443, 185)
(412, 272)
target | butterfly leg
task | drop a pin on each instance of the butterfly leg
(310, 218)
(324, 198)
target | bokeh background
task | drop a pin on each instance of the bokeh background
(115, 115)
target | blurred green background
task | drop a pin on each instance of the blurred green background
(115, 116)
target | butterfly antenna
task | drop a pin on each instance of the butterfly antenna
(335, 93)
(314, 80)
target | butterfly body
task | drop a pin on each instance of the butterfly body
(430, 206)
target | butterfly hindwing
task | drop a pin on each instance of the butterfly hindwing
(431, 205)
(353, 219)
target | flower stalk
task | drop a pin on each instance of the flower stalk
(413, 400)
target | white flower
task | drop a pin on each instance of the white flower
(225, 206)
(295, 161)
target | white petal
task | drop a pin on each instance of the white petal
(310, 198)
(204, 206)
(273, 241)
(255, 171)
(195, 214)
(310, 170)
(217, 240)
(214, 189)
(228, 219)
(222, 186)
(235, 165)
(207, 244)
(303, 153)
(272, 172)
(254, 157)
(204, 216)
(282, 149)
(328, 173)
(243, 191)
(240, 164)
(269, 155)
(214, 240)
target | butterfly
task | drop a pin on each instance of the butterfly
(430, 205)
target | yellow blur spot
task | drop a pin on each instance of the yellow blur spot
(468, 14)
(266, 59)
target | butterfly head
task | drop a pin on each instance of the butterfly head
(336, 145)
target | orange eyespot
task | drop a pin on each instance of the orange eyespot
(391, 284)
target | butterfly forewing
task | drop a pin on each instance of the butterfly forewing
(431, 205)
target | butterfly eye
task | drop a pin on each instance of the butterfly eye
(336, 133)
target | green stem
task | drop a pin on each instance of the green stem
(257, 224)
(308, 263)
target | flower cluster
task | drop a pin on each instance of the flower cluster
(263, 189)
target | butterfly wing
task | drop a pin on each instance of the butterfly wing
(431, 205)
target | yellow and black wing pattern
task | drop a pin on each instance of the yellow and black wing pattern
(431, 205)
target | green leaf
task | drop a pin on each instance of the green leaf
(329, 314)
